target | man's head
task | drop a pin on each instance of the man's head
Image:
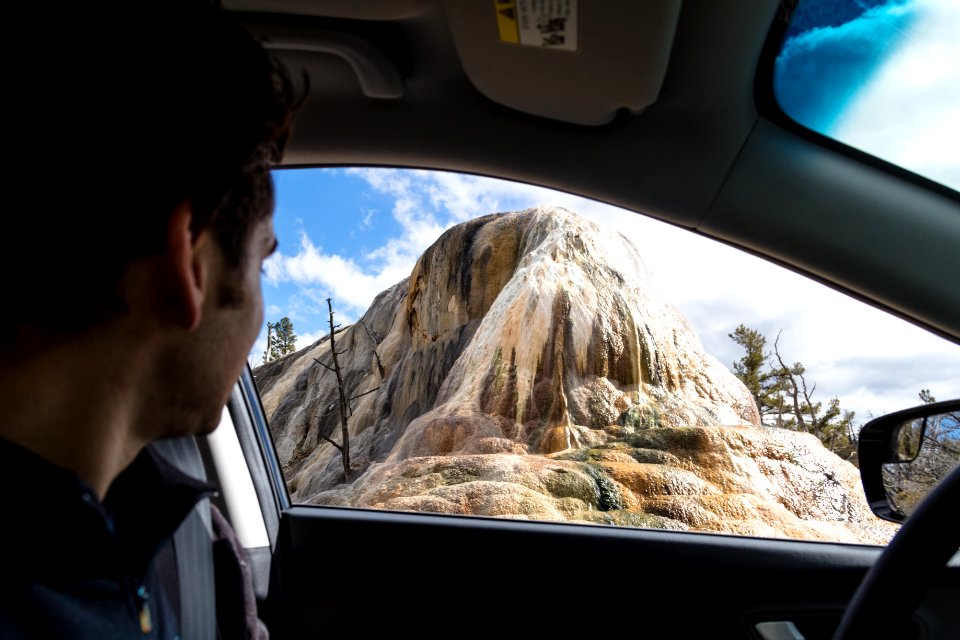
(144, 107)
(135, 268)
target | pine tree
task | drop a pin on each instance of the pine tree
(286, 338)
(782, 391)
(281, 339)
(753, 370)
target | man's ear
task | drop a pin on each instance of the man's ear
(190, 272)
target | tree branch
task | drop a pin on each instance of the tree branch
(327, 367)
(360, 395)
(344, 404)
(787, 373)
(333, 443)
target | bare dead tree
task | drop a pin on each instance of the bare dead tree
(833, 426)
(794, 390)
(342, 397)
(266, 352)
(343, 405)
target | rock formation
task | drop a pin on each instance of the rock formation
(529, 368)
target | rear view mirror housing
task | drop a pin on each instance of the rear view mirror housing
(904, 455)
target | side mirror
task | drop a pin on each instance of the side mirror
(904, 455)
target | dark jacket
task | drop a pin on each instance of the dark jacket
(75, 568)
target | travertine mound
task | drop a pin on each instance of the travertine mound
(529, 368)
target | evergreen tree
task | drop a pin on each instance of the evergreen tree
(281, 339)
(753, 370)
(286, 339)
(782, 391)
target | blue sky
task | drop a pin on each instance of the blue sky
(349, 234)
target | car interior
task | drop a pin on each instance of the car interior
(665, 108)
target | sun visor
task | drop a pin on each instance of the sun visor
(569, 60)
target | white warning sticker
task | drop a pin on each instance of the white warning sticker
(549, 24)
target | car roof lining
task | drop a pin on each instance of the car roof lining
(668, 162)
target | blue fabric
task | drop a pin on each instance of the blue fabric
(74, 567)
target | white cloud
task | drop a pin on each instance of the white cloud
(425, 205)
(462, 196)
(367, 220)
(307, 339)
(255, 357)
(322, 275)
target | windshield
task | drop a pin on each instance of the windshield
(882, 76)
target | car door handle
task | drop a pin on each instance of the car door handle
(778, 630)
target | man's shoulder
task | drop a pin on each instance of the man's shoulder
(46, 506)
(22, 470)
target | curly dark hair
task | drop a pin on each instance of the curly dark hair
(179, 103)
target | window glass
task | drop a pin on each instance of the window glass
(878, 75)
(504, 350)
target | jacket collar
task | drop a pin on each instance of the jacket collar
(144, 506)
